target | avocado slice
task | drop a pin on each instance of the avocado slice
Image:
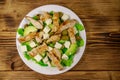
(29, 29)
(73, 48)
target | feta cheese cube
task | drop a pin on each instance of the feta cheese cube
(23, 48)
(48, 21)
(50, 48)
(45, 60)
(32, 44)
(38, 57)
(65, 57)
(58, 45)
(65, 17)
(67, 44)
(45, 36)
(46, 29)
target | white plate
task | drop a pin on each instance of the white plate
(51, 70)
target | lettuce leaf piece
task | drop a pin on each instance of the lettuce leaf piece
(51, 13)
(27, 56)
(64, 50)
(36, 17)
(27, 45)
(44, 24)
(67, 62)
(51, 45)
(20, 31)
(42, 63)
(30, 24)
(61, 41)
(79, 26)
(80, 42)
(28, 48)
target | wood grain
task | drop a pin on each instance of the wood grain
(30, 75)
(115, 75)
(101, 60)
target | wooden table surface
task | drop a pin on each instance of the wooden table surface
(101, 59)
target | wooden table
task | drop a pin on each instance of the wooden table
(101, 60)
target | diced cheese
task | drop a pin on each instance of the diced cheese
(50, 48)
(46, 29)
(58, 45)
(45, 36)
(38, 57)
(45, 60)
(75, 30)
(49, 64)
(67, 44)
(23, 48)
(65, 57)
(48, 21)
(32, 44)
(65, 17)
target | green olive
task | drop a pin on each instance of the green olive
(60, 14)
(64, 32)
(65, 38)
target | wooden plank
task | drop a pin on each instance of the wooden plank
(115, 75)
(93, 59)
(71, 75)
(10, 60)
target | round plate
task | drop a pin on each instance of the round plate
(51, 70)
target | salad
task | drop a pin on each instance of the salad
(51, 39)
